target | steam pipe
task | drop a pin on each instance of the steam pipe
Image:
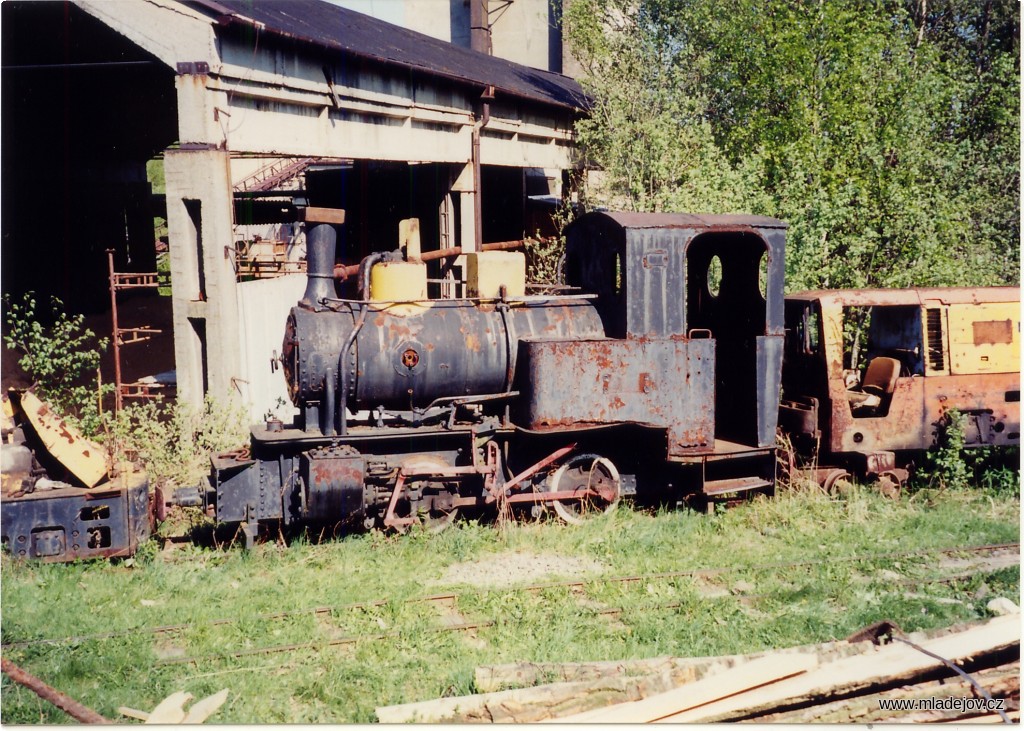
(343, 369)
(328, 411)
(364, 271)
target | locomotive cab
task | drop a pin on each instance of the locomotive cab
(692, 306)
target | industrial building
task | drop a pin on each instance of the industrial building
(256, 110)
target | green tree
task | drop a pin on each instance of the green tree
(885, 133)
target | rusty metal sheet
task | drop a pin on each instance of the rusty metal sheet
(627, 219)
(918, 296)
(902, 427)
(990, 403)
(769, 375)
(333, 480)
(992, 332)
(654, 269)
(85, 459)
(662, 383)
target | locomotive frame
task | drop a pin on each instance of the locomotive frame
(655, 374)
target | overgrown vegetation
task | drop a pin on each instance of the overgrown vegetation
(174, 442)
(952, 467)
(397, 651)
(885, 134)
(61, 356)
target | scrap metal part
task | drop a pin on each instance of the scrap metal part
(71, 523)
(70, 706)
(42, 516)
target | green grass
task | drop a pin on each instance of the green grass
(416, 660)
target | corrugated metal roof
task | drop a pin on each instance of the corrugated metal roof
(330, 26)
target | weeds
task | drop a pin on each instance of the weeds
(952, 467)
(174, 442)
(945, 464)
(545, 257)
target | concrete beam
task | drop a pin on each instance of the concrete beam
(201, 119)
(172, 32)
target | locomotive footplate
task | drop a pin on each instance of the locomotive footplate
(65, 524)
(733, 468)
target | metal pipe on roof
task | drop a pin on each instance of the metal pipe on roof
(479, 26)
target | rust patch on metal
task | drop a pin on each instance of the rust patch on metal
(399, 330)
(410, 358)
(993, 332)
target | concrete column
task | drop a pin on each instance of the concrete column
(204, 298)
(465, 187)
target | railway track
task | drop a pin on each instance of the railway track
(448, 598)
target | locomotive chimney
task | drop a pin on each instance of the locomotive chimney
(321, 244)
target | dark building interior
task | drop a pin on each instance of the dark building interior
(84, 109)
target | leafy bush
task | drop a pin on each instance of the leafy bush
(945, 466)
(174, 442)
(951, 466)
(543, 256)
(62, 360)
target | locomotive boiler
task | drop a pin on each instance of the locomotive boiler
(654, 372)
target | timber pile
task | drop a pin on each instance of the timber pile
(832, 682)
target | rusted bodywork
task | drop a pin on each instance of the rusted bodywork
(58, 502)
(713, 282)
(647, 382)
(953, 348)
(659, 364)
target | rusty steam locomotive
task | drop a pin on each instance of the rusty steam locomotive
(654, 373)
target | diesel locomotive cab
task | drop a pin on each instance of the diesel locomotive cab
(870, 374)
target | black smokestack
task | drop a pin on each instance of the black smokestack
(321, 246)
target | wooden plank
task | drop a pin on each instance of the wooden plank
(887, 667)
(313, 214)
(1000, 682)
(755, 674)
(492, 678)
(524, 705)
(489, 678)
(987, 718)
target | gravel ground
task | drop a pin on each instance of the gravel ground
(517, 567)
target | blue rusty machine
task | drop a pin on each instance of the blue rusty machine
(654, 372)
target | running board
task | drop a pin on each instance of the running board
(735, 484)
